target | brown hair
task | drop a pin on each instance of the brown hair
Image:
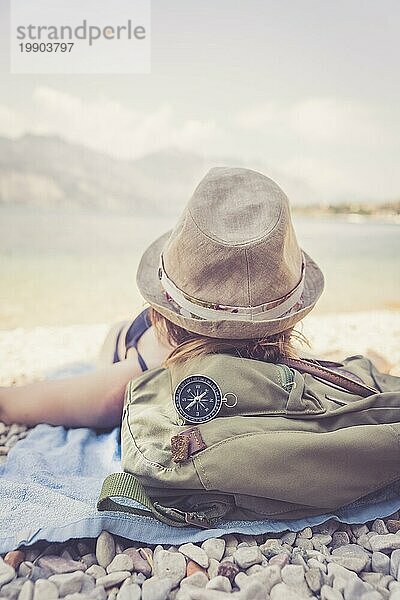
(188, 344)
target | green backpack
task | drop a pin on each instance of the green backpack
(226, 437)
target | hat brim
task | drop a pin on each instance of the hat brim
(150, 287)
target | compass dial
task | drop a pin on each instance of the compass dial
(197, 399)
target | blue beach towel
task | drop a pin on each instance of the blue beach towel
(51, 480)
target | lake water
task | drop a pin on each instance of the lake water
(63, 267)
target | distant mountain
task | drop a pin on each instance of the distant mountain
(47, 171)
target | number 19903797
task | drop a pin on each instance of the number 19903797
(46, 46)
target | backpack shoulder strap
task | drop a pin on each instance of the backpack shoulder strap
(126, 486)
(319, 371)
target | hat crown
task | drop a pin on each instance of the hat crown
(234, 243)
(236, 205)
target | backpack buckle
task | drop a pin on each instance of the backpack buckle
(197, 520)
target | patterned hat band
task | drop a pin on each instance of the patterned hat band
(198, 309)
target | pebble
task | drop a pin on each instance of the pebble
(316, 564)
(14, 558)
(359, 530)
(393, 525)
(372, 578)
(26, 592)
(195, 553)
(156, 588)
(199, 579)
(365, 540)
(96, 571)
(220, 583)
(170, 565)
(228, 569)
(293, 575)
(380, 563)
(147, 554)
(113, 578)
(121, 562)
(340, 538)
(305, 533)
(351, 557)
(314, 579)
(56, 564)
(379, 526)
(32, 553)
(253, 591)
(88, 584)
(304, 543)
(83, 548)
(139, 564)
(98, 593)
(254, 569)
(11, 440)
(289, 538)
(105, 549)
(192, 568)
(231, 540)
(283, 591)
(68, 583)
(138, 578)
(395, 564)
(328, 527)
(7, 572)
(328, 593)
(246, 556)
(385, 543)
(280, 559)
(89, 559)
(214, 548)
(270, 544)
(39, 573)
(355, 589)
(374, 595)
(45, 590)
(241, 580)
(321, 539)
(130, 592)
(269, 577)
(386, 580)
(298, 558)
(212, 570)
(336, 571)
(12, 589)
(25, 569)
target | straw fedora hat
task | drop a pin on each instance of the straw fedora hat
(231, 267)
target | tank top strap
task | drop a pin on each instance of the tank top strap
(139, 325)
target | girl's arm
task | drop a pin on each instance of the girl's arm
(90, 400)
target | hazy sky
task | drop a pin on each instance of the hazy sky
(309, 89)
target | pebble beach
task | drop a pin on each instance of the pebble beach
(332, 561)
